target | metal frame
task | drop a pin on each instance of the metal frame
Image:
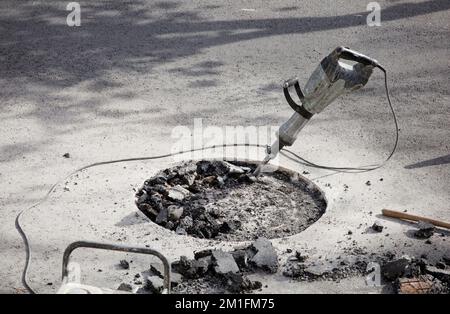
(115, 247)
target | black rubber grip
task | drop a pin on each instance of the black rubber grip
(348, 54)
(298, 108)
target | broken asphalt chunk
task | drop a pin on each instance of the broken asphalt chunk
(425, 231)
(395, 269)
(175, 212)
(157, 269)
(124, 264)
(377, 226)
(223, 262)
(125, 287)
(155, 284)
(263, 255)
(178, 193)
(162, 217)
(203, 253)
(190, 269)
(241, 258)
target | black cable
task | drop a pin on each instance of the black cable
(283, 152)
(20, 214)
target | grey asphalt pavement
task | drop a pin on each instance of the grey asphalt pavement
(117, 85)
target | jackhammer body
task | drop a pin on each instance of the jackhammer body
(330, 79)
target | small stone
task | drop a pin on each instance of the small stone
(189, 178)
(66, 155)
(186, 222)
(230, 226)
(263, 255)
(426, 230)
(368, 183)
(395, 269)
(156, 200)
(175, 279)
(207, 260)
(294, 270)
(159, 188)
(203, 253)
(157, 269)
(318, 270)
(248, 178)
(301, 258)
(142, 197)
(377, 226)
(241, 258)
(124, 264)
(204, 167)
(233, 169)
(223, 262)
(178, 193)
(247, 284)
(175, 212)
(220, 181)
(209, 179)
(155, 284)
(233, 281)
(158, 180)
(440, 265)
(180, 231)
(125, 287)
(191, 269)
(162, 217)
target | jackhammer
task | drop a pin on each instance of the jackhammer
(329, 80)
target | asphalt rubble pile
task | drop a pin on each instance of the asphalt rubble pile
(416, 276)
(301, 267)
(211, 271)
(175, 198)
(217, 271)
(402, 275)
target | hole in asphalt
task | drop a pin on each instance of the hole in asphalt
(220, 200)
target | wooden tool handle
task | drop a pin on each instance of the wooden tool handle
(401, 215)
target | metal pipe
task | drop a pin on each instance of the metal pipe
(116, 247)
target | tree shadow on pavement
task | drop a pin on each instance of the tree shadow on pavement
(37, 45)
(39, 50)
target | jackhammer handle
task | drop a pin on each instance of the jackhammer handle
(298, 108)
(352, 55)
(293, 82)
(290, 82)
